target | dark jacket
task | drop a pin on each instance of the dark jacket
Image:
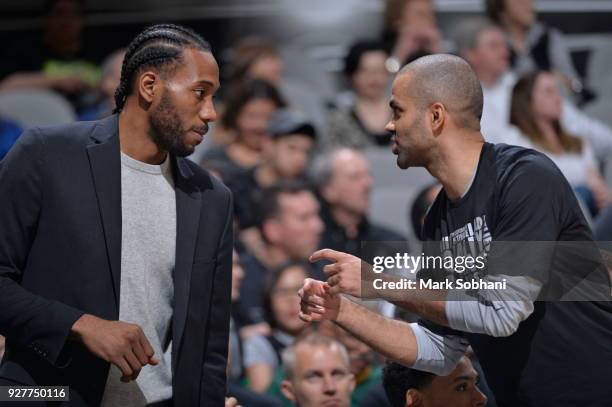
(60, 257)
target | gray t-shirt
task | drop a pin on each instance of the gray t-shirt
(148, 243)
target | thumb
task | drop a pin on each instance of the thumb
(153, 361)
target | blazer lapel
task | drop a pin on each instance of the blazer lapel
(105, 165)
(188, 208)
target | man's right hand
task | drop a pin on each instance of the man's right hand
(120, 343)
(318, 302)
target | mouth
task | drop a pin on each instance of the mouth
(332, 403)
(394, 146)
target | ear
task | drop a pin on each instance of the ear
(414, 398)
(437, 117)
(287, 390)
(148, 84)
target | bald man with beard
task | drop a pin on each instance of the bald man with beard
(533, 353)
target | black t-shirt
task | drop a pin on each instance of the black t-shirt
(561, 355)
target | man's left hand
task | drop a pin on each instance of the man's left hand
(344, 274)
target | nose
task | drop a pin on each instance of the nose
(480, 400)
(329, 386)
(207, 112)
(390, 127)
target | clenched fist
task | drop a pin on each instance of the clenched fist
(120, 343)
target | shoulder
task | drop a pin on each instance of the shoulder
(46, 139)
(205, 180)
(514, 163)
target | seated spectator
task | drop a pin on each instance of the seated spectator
(344, 183)
(235, 363)
(362, 123)
(56, 61)
(317, 373)
(364, 364)
(289, 223)
(246, 114)
(484, 46)
(262, 354)
(105, 96)
(285, 157)
(411, 31)
(9, 133)
(254, 58)
(406, 387)
(533, 45)
(536, 112)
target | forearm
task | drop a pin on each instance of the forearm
(391, 338)
(428, 304)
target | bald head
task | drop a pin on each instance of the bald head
(446, 79)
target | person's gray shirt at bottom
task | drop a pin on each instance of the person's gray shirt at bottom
(148, 243)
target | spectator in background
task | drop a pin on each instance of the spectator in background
(289, 223)
(1, 346)
(362, 123)
(406, 387)
(484, 46)
(536, 112)
(364, 366)
(254, 57)
(105, 97)
(533, 45)
(246, 114)
(235, 355)
(317, 373)
(344, 183)
(411, 31)
(262, 353)
(285, 157)
(56, 62)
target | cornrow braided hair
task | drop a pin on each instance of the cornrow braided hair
(155, 47)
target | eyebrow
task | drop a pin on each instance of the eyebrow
(205, 82)
(464, 377)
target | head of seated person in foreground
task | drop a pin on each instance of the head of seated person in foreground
(536, 110)
(406, 387)
(317, 372)
(245, 117)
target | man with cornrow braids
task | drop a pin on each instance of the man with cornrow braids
(115, 250)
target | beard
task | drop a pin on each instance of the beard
(166, 130)
(408, 156)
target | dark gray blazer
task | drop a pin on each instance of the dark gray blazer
(60, 257)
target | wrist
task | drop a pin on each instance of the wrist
(79, 327)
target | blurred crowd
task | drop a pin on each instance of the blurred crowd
(303, 180)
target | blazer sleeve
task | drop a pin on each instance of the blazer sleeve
(26, 320)
(214, 378)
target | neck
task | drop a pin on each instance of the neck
(488, 79)
(348, 220)
(266, 175)
(273, 256)
(550, 135)
(134, 138)
(455, 162)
